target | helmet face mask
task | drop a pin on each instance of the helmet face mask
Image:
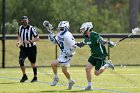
(60, 28)
(83, 31)
(63, 25)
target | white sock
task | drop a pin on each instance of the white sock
(89, 84)
(55, 76)
(106, 66)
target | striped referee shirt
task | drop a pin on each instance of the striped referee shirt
(27, 33)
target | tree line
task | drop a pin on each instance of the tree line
(108, 16)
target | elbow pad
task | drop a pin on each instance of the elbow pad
(102, 41)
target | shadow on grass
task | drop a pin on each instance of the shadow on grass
(8, 83)
(63, 91)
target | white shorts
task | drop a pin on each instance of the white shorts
(64, 61)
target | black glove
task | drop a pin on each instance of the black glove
(80, 44)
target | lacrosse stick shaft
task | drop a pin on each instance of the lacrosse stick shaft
(54, 38)
(124, 38)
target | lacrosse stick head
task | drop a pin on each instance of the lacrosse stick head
(47, 25)
(135, 30)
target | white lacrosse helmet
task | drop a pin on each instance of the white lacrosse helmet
(87, 26)
(63, 25)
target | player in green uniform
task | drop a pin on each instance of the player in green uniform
(98, 52)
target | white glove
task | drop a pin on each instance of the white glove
(111, 44)
(68, 53)
(135, 30)
(51, 37)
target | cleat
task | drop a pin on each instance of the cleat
(55, 81)
(34, 79)
(24, 78)
(111, 65)
(71, 83)
(88, 88)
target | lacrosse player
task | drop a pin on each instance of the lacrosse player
(98, 52)
(66, 42)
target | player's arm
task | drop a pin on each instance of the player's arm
(80, 44)
(18, 40)
(104, 42)
(35, 39)
(35, 34)
(52, 37)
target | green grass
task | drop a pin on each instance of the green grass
(121, 80)
(126, 52)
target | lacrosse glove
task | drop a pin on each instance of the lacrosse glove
(67, 54)
(80, 44)
(51, 37)
(111, 44)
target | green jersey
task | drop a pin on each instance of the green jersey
(97, 50)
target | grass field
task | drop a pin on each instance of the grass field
(126, 52)
(124, 79)
(121, 80)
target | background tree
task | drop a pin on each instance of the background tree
(108, 16)
(133, 11)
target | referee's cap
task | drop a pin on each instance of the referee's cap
(24, 18)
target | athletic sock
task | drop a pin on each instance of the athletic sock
(106, 66)
(89, 84)
(55, 76)
(70, 79)
(24, 75)
(35, 71)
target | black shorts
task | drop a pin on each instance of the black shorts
(29, 52)
(98, 63)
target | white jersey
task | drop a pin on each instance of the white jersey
(65, 40)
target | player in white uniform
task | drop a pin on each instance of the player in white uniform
(66, 42)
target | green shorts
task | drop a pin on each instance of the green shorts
(98, 63)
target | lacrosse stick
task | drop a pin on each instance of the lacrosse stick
(49, 28)
(134, 32)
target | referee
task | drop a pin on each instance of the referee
(26, 38)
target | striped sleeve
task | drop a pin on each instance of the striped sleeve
(19, 29)
(34, 31)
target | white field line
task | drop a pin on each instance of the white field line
(79, 87)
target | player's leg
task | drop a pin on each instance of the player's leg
(22, 56)
(101, 66)
(109, 64)
(88, 69)
(89, 66)
(34, 67)
(32, 53)
(68, 76)
(54, 65)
